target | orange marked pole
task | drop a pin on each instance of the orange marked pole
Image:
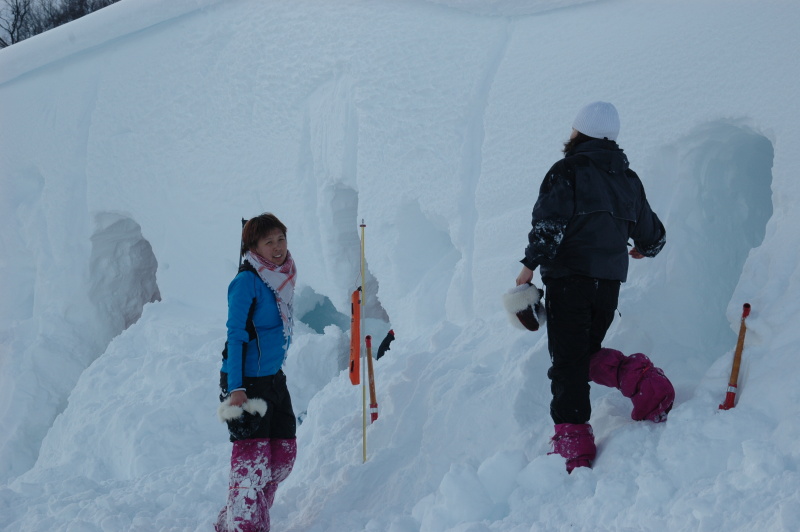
(355, 337)
(373, 400)
(730, 396)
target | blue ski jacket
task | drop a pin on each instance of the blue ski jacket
(590, 204)
(258, 350)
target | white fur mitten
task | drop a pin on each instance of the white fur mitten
(228, 412)
(524, 306)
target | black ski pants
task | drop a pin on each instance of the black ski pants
(279, 421)
(579, 312)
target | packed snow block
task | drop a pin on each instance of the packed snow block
(636, 377)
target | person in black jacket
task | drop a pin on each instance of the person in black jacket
(590, 204)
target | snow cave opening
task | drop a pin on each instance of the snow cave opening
(122, 270)
(317, 311)
(716, 196)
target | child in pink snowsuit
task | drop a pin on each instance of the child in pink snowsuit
(255, 401)
(589, 205)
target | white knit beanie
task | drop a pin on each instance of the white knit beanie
(598, 120)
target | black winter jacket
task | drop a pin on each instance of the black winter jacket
(590, 204)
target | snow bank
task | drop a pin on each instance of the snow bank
(138, 137)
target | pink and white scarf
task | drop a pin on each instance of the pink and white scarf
(281, 280)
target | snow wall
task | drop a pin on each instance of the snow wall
(131, 152)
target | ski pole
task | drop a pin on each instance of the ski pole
(737, 360)
(373, 400)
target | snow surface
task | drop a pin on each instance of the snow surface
(135, 139)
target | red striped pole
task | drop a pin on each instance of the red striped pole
(373, 400)
(730, 396)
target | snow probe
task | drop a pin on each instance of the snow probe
(730, 397)
(373, 400)
(355, 337)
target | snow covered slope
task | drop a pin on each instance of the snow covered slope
(136, 138)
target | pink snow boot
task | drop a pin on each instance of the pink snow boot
(283, 456)
(247, 509)
(575, 442)
(648, 388)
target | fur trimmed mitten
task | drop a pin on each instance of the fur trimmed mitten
(524, 306)
(243, 420)
(228, 412)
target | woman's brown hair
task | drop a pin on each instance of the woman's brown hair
(580, 138)
(257, 228)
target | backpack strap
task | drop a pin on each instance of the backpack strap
(245, 266)
(250, 326)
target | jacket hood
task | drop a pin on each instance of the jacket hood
(604, 154)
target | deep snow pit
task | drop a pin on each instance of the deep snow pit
(123, 268)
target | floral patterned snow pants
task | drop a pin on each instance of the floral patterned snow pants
(257, 467)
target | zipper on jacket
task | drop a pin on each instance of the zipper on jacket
(255, 329)
(258, 346)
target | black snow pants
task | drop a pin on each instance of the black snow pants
(579, 312)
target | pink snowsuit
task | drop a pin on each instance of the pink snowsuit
(257, 467)
(649, 389)
(636, 377)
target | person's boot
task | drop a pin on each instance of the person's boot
(247, 509)
(574, 442)
(636, 377)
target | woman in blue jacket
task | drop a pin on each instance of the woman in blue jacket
(255, 400)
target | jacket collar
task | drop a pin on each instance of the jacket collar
(606, 154)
